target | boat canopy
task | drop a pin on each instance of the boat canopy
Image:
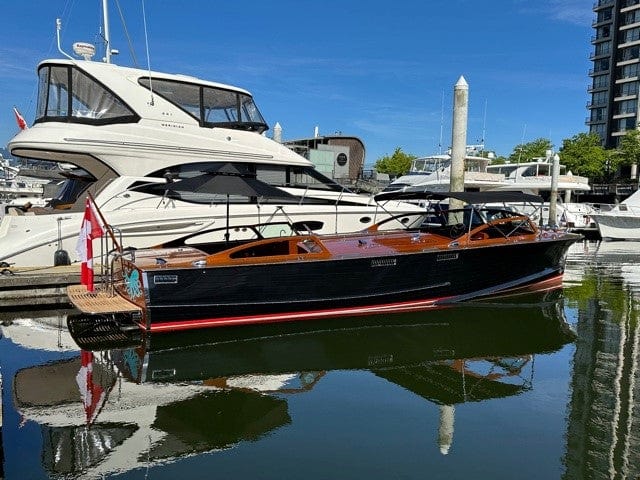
(468, 197)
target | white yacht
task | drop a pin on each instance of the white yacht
(126, 129)
(622, 222)
(433, 173)
(535, 176)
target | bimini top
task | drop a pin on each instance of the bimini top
(468, 197)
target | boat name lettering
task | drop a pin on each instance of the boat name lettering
(444, 257)
(384, 262)
(164, 279)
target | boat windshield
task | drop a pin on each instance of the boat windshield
(69, 95)
(426, 165)
(211, 106)
(75, 183)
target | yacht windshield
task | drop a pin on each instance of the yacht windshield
(67, 94)
(428, 165)
(211, 106)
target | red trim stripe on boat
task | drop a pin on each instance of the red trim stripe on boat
(293, 316)
(398, 307)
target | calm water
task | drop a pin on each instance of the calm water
(544, 388)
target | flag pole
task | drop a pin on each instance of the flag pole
(104, 222)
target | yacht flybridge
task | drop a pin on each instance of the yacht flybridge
(126, 129)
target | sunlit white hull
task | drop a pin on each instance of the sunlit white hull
(142, 220)
(149, 146)
(617, 226)
(622, 222)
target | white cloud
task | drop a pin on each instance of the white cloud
(577, 12)
(572, 11)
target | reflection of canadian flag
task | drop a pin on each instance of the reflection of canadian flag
(92, 394)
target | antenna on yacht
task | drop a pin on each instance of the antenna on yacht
(81, 49)
(524, 130)
(58, 28)
(108, 51)
(107, 37)
(146, 43)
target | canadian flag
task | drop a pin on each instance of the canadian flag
(19, 119)
(89, 230)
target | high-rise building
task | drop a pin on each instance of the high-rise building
(615, 76)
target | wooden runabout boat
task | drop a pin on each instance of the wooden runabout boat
(275, 273)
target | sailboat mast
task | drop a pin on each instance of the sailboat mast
(107, 38)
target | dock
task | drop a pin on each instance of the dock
(42, 286)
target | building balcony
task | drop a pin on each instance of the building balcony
(602, 4)
(597, 88)
(622, 98)
(593, 121)
(599, 23)
(629, 5)
(593, 71)
(600, 104)
(618, 116)
(596, 39)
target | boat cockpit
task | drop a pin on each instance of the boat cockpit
(67, 93)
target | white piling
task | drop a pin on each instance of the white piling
(277, 133)
(458, 138)
(553, 200)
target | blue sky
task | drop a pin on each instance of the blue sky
(378, 70)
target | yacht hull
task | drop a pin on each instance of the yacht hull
(235, 295)
(618, 227)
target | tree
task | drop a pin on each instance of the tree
(629, 149)
(525, 152)
(396, 164)
(584, 155)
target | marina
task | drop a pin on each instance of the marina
(471, 388)
(185, 296)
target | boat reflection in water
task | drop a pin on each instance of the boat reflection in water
(110, 411)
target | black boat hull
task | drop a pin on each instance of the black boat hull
(274, 292)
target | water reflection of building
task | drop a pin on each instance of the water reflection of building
(603, 436)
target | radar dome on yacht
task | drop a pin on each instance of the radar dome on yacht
(84, 50)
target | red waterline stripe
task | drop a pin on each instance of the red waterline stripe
(288, 317)
(398, 307)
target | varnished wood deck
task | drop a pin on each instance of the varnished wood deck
(99, 302)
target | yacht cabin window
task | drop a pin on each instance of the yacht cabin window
(67, 94)
(276, 175)
(211, 106)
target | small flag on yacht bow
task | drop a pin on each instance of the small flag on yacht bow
(20, 119)
(90, 229)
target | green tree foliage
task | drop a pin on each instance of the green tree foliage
(584, 155)
(629, 149)
(396, 164)
(525, 152)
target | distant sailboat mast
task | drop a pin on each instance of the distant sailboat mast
(441, 124)
(484, 126)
